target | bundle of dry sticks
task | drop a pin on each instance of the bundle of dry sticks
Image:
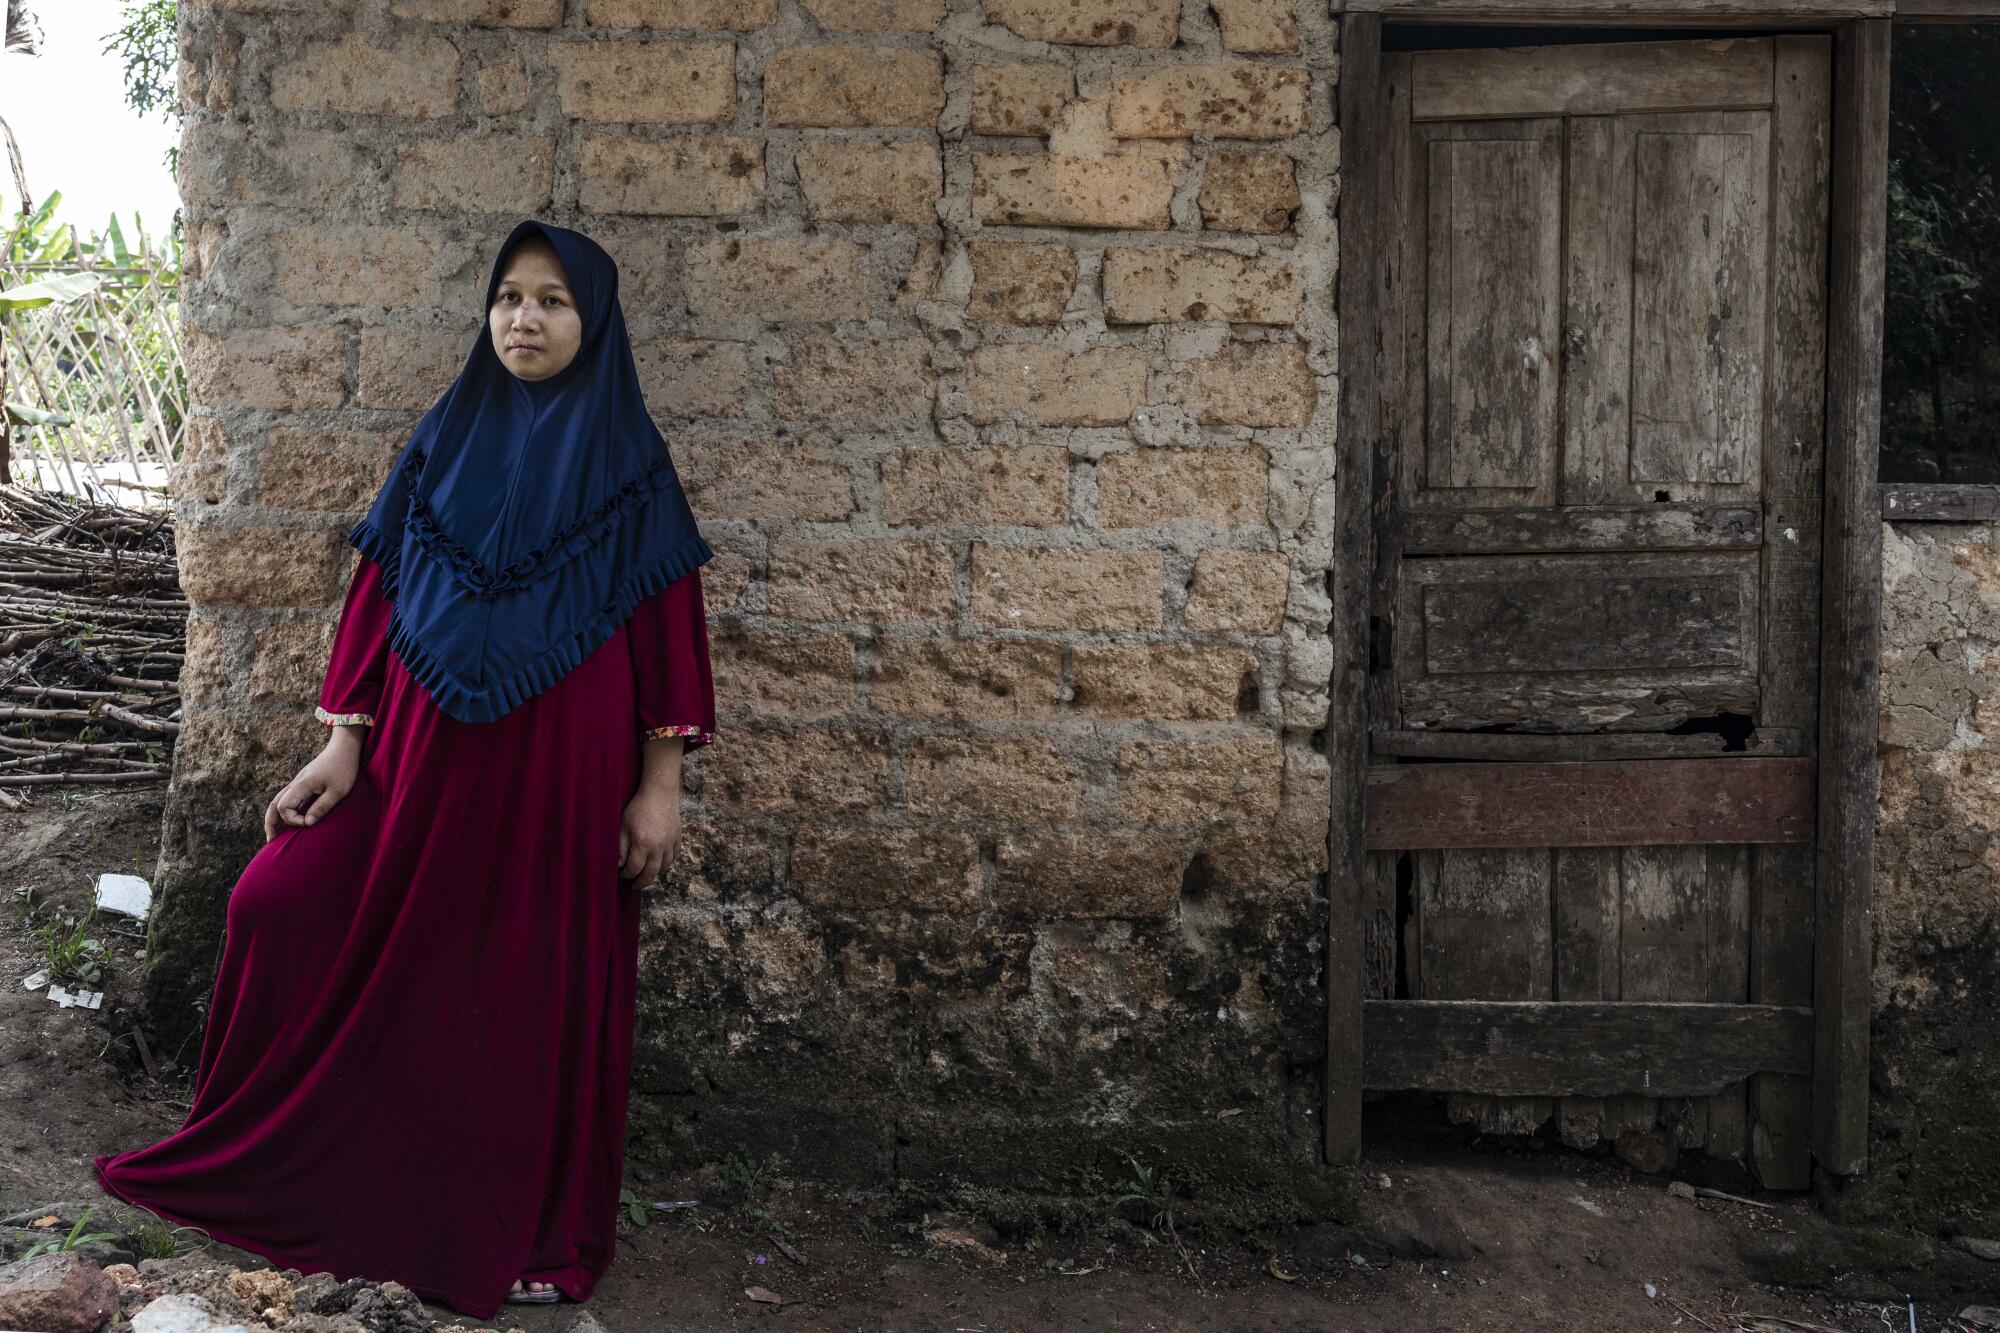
(93, 629)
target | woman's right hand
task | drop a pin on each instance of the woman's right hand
(319, 786)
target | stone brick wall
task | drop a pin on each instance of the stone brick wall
(995, 345)
(1934, 1119)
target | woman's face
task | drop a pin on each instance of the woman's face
(534, 324)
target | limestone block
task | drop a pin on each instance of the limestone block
(1039, 587)
(1188, 782)
(1019, 99)
(1102, 386)
(987, 679)
(1021, 284)
(895, 181)
(1228, 487)
(646, 82)
(1238, 592)
(760, 477)
(872, 581)
(1027, 486)
(1170, 284)
(991, 778)
(1248, 191)
(853, 85)
(1162, 681)
(1249, 384)
(1091, 22)
(1234, 101)
(706, 176)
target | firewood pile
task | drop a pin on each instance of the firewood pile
(93, 629)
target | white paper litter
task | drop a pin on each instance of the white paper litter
(127, 894)
(35, 980)
(81, 999)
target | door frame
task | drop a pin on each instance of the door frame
(1851, 555)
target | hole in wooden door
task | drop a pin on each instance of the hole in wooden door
(1736, 729)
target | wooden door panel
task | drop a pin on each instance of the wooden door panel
(1609, 642)
(1595, 78)
(1493, 202)
(1526, 1048)
(1653, 802)
(1482, 917)
(1637, 924)
(1698, 320)
(1651, 527)
(1666, 310)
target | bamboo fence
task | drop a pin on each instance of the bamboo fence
(101, 380)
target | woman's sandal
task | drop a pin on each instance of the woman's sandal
(526, 1297)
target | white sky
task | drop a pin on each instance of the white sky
(77, 134)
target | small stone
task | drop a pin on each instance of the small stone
(181, 1312)
(1978, 1248)
(1680, 1189)
(1652, 1151)
(56, 1293)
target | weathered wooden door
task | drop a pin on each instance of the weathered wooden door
(1595, 606)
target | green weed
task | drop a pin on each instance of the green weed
(61, 1244)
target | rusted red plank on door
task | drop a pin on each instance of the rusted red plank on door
(1620, 804)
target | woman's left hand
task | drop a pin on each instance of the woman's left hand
(651, 831)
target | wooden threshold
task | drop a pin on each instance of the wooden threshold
(1639, 802)
(1539, 1048)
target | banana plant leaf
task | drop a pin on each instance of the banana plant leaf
(23, 415)
(62, 287)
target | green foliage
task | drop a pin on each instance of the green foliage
(1152, 1192)
(156, 1240)
(69, 949)
(63, 287)
(37, 238)
(744, 1175)
(75, 1237)
(43, 238)
(114, 296)
(1941, 334)
(148, 41)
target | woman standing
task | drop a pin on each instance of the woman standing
(417, 1057)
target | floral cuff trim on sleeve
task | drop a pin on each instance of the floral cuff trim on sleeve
(337, 719)
(695, 734)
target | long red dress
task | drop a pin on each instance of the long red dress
(418, 1052)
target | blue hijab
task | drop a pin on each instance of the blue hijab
(525, 519)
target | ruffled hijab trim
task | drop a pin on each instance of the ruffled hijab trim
(525, 520)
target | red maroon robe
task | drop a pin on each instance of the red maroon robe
(418, 1052)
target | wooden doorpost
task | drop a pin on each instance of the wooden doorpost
(1851, 597)
(1361, 196)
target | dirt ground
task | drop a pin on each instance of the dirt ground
(1454, 1233)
